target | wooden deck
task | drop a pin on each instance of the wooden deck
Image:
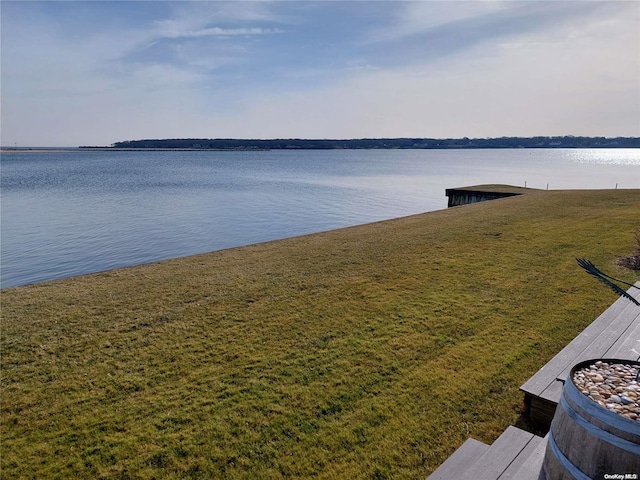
(614, 334)
(518, 454)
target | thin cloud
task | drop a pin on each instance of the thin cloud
(453, 31)
(230, 32)
(196, 19)
(413, 18)
(117, 70)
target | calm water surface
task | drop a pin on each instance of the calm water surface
(71, 213)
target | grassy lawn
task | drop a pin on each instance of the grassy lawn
(366, 352)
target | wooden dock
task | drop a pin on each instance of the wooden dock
(481, 193)
(518, 454)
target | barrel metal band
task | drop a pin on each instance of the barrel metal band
(564, 461)
(598, 432)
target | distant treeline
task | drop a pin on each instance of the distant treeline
(383, 143)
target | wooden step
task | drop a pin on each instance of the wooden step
(516, 454)
(512, 446)
(460, 460)
(528, 465)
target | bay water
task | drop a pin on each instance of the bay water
(67, 213)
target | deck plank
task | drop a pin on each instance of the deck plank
(460, 460)
(500, 455)
(530, 468)
(627, 348)
(553, 392)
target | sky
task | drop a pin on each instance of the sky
(98, 72)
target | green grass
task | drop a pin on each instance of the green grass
(366, 352)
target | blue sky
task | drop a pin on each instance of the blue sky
(93, 73)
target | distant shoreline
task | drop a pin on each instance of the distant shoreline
(567, 141)
(249, 145)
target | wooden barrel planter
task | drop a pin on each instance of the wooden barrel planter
(587, 441)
